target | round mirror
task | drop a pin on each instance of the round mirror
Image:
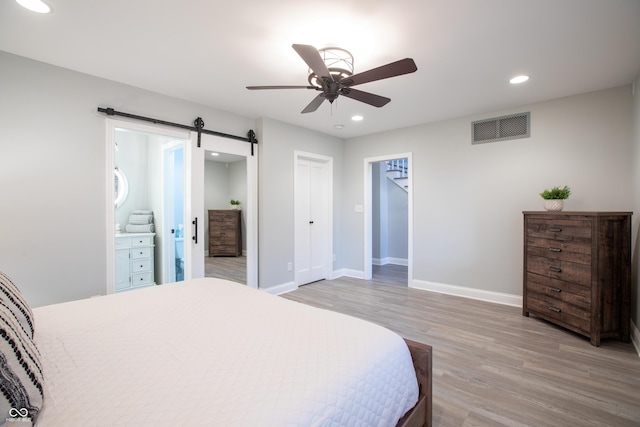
(120, 186)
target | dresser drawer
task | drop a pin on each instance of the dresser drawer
(560, 229)
(141, 265)
(138, 253)
(141, 278)
(560, 250)
(556, 310)
(562, 270)
(571, 293)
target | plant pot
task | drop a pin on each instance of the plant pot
(554, 204)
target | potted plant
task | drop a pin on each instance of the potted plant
(554, 198)
(234, 203)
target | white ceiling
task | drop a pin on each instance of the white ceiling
(207, 51)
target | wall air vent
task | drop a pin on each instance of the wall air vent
(501, 128)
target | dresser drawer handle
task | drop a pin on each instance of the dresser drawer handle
(555, 269)
(554, 289)
(555, 229)
(556, 309)
(555, 249)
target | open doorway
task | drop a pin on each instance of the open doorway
(388, 242)
(225, 181)
(389, 225)
(146, 221)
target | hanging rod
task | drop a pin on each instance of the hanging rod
(198, 126)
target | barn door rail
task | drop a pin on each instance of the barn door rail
(198, 126)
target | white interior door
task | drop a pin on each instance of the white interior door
(194, 228)
(313, 213)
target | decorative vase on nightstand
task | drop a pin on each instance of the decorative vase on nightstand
(554, 204)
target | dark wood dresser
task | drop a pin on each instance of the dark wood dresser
(577, 271)
(225, 233)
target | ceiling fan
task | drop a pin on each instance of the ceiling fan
(332, 75)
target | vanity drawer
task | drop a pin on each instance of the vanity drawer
(123, 242)
(138, 266)
(141, 278)
(138, 253)
(141, 241)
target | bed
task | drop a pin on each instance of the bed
(206, 352)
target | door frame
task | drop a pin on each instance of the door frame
(168, 218)
(110, 132)
(195, 167)
(368, 212)
(327, 164)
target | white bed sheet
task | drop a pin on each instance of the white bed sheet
(212, 352)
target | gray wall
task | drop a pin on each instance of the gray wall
(275, 187)
(468, 199)
(52, 172)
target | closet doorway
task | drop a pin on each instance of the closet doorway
(313, 217)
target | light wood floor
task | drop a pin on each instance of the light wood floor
(491, 365)
(230, 268)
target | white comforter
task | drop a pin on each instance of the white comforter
(210, 352)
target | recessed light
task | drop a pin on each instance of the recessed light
(215, 154)
(518, 79)
(357, 118)
(35, 5)
(338, 126)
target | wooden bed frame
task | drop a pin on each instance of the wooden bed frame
(421, 414)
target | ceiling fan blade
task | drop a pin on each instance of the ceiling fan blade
(366, 97)
(280, 87)
(398, 68)
(313, 105)
(312, 57)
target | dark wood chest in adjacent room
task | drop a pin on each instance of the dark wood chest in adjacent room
(225, 233)
(577, 271)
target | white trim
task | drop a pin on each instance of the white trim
(280, 289)
(224, 145)
(368, 219)
(389, 260)
(327, 162)
(347, 272)
(462, 291)
(635, 337)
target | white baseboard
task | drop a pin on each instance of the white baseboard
(280, 289)
(462, 291)
(346, 272)
(635, 337)
(390, 260)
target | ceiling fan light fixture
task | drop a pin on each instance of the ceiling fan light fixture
(35, 5)
(339, 62)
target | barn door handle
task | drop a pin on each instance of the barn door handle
(195, 237)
